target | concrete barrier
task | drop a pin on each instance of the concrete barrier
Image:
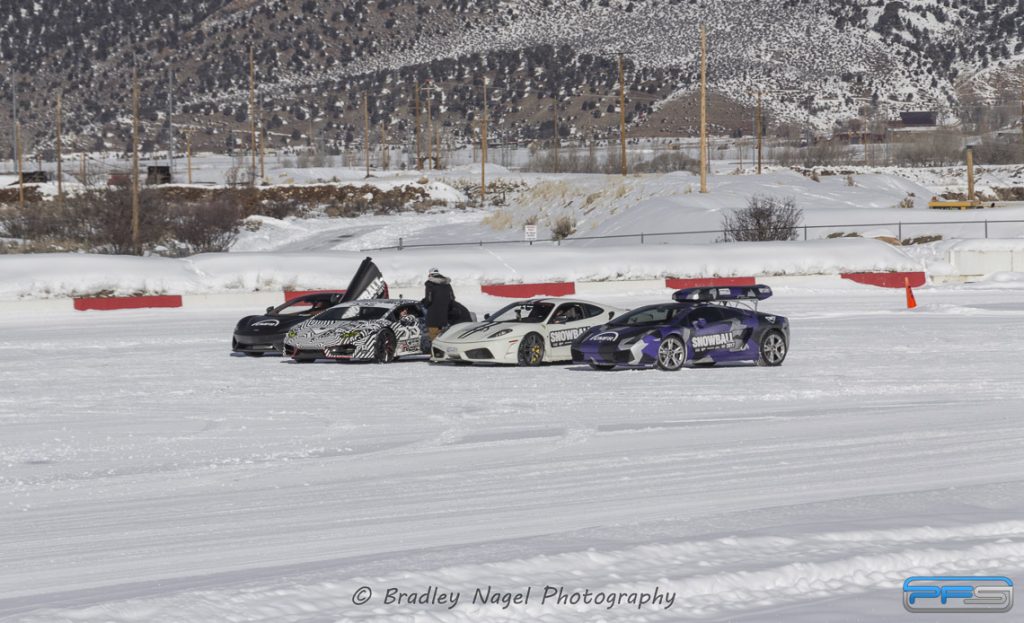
(127, 302)
(530, 290)
(985, 262)
(887, 280)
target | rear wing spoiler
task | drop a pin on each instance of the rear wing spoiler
(731, 293)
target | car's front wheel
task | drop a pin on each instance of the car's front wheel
(384, 350)
(531, 350)
(773, 349)
(671, 353)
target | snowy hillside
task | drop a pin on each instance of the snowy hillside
(818, 61)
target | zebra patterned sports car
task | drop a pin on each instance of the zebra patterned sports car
(379, 330)
(704, 326)
(526, 333)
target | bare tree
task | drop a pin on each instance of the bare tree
(764, 218)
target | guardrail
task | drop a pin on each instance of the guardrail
(643, 236)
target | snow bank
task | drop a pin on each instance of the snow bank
(50, 275)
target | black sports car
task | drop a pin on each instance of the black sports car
(256, 335)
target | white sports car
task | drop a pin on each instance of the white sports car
(525, 333)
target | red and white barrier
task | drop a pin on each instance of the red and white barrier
(588, 289)
(887, 280)
(108, 303)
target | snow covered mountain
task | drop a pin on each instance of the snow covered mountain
(819, 61)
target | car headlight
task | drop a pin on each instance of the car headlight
(350, 335)
(628, 342)
(293, 333)
(499, 333)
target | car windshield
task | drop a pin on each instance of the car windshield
(354, 312)
(650, 315)
(302, 306)
(523, 312)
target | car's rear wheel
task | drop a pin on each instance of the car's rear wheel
(531, 350)
(671, 353)
(602, 366)
(384, 351)
(773, 349)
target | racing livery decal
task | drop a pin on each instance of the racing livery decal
(714, 340)
(566, 336)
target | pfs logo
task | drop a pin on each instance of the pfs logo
(958, 594)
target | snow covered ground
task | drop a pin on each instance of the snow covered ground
(68, 274)
(601, 205)
(146, 475)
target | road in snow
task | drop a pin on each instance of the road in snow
(146, 475)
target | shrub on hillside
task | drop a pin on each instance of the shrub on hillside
(563, 227)
(765, 218)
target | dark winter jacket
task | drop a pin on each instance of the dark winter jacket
(438, 300)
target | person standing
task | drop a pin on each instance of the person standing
(438, 299)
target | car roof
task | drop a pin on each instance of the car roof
(378, 303)
(316, 296)
(557, 301)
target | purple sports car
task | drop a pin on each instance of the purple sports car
(704, 326)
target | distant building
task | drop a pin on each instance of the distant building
(918, 119)
(156, 175)
(33, 177)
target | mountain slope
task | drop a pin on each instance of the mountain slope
(819, 62)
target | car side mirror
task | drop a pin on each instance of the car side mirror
(611, 315)
(408, 320)
(270, 309)
(701, 323)
(487, 316)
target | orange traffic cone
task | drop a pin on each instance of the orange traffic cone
(911, 302)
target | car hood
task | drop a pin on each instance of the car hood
(480, 331)
(318, 329)
(267, 325)
(611, 334)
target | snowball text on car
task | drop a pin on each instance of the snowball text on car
(702, 327)
(525, 333)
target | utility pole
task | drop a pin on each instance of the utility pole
(60, 164)
(135, 162)
(188, 154)
(435, 141)
(14, 114)
(419, 157)
(170, 121)
(970, 175)
(263, 147)
(554, 126)
(703, 111)
(21, 172)
(385, 154)
(81, 173)
(430, 132)
(760, 130)
(366, 131)
(252, 110)
(622, 115)
(483, 149)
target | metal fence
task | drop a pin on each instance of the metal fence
(644, 237)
